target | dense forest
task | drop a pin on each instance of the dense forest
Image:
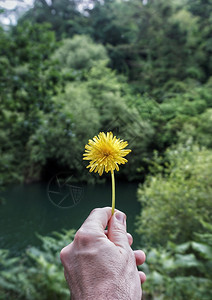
(142, 69)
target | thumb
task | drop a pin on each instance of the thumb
(117, 230)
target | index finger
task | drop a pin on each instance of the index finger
(97, 220)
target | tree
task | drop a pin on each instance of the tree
(27, 88)
(203, 10)
(63, 15)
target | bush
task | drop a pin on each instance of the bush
(181, 271)
(38, 274)
(178, 197)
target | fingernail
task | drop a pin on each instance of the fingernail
(120, 217)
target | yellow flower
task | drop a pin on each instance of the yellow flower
(105, 152)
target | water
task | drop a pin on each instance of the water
(28, 210)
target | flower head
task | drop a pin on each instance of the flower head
(105, 152)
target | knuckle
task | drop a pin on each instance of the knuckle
(95, 210)
(82, 237)
(64, 254)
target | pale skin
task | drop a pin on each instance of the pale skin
(99, 263)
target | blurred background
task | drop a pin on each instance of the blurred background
(141, 69)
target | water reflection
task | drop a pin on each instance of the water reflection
(28, 210)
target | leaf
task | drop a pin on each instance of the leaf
(157, 278)
(182, 248)
(204, 250)
(186, 261)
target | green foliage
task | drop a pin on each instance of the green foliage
(65, 92)
(81, 97)
(98, 102)
(180, 271)
(178, 198)
(203, 9)
(38, 274)
(63, 133)
(63, 15)
(79, 53)
(181, 108)
(183, 114)
(26, 88)
(113, 99)
(199, 129)
(153, 43)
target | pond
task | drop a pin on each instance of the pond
(39, 208)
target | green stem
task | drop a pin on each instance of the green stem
(113, 191)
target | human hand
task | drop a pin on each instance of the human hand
(100, 264)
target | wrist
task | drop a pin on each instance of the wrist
(107, 294)
(102, 297)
